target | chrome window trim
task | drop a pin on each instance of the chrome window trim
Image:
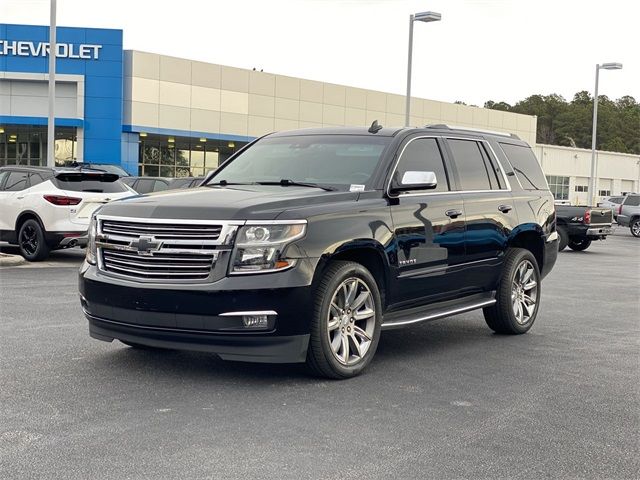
(395, 167)
(490, 148)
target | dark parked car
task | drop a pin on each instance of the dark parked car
(579, 226)
(305, 245)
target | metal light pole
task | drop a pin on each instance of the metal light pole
(51, 147)
(592, 177)
(418, 17)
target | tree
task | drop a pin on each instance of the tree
(570, 123)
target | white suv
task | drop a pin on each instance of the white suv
(42, 209)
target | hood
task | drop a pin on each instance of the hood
(246, 202)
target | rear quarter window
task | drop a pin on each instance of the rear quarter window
(90, 186)
(633, 201)
(526, 166)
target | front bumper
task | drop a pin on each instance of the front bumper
(263, 349)
(204, 317)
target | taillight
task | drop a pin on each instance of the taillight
(620, 210)
(62, 200)
(587, 216)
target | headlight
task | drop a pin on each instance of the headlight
(91, 241)
(258, 247)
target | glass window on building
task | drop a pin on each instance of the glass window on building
(27, 145)
(167, 156)
(559, 187)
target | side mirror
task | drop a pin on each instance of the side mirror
(415, 180)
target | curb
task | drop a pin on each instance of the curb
(7, 260)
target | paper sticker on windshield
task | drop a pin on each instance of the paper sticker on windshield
(356, 188)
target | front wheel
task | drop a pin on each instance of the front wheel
(31, 242)
(345, 328)
(634, 226)
(579, 244)
(517, 296)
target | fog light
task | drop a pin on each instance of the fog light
(255, 321)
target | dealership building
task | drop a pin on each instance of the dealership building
(159, 115)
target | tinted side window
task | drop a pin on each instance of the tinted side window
(3, 176)
(633, 200)
(471, 166)
(145, 185)
(17, 181)
(35, 179)
(526, 166)
(160, 185)
(423, 154)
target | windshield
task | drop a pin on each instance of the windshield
(320, 159)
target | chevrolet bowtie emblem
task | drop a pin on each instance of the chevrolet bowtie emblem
(146, 245)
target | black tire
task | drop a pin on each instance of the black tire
(320, 356)
(501, 317)
(634, 227)
(563, 238)
(579, 243)
(31, 241)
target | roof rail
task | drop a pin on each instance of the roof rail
(443, 126)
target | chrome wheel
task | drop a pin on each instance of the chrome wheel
(635, 228)
(351, 321)
(29, 240)
(524, 292)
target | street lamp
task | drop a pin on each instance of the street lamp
(51, 150)
(592, 178)
(417, 17)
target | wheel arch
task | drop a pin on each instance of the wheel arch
(369, 254)
(529, 237)
(26, 215)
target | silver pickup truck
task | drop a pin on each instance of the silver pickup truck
(629, 213)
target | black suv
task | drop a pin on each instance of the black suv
(304, 245)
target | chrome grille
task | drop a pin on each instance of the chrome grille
(161, 250)
(162, 231)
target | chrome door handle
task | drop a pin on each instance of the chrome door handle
(505, 208)
(453, 213)
(20, 198)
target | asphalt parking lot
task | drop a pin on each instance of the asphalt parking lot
(447, 399)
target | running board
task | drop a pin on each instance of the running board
(433, 312)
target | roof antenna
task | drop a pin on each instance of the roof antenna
(375, 127)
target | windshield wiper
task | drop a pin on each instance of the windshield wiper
(224, 183)
(285, 182)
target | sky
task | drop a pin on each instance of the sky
(501, 50)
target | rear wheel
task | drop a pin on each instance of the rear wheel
(634, 226)
(345, 328)
(517, 296)
(579, 244)
(31, 242)
(563, 238)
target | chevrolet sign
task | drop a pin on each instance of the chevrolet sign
(41, 49)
